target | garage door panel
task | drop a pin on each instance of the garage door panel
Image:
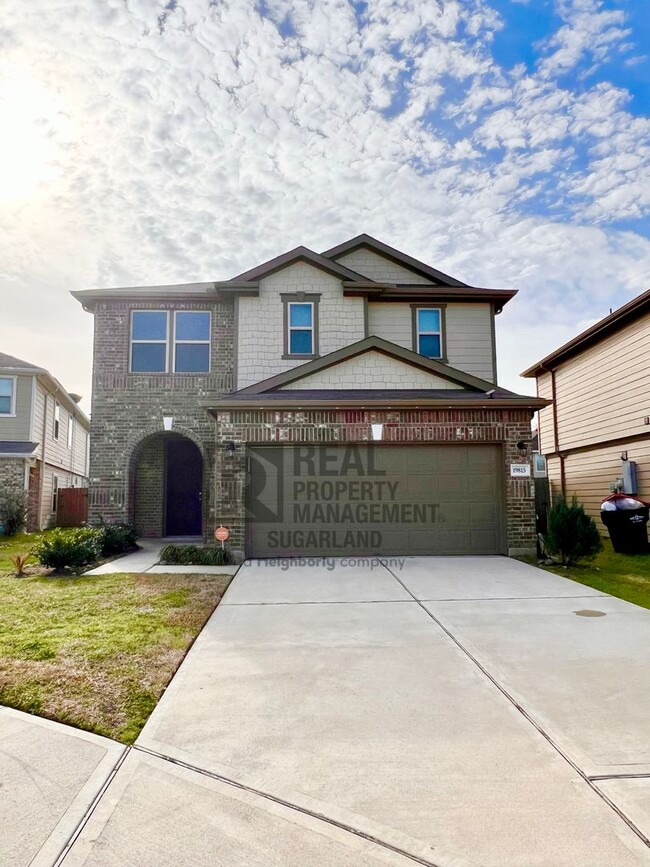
(430, 499)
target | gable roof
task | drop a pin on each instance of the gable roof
(634, 309)
(298, 254)
(370, 344)
(393, 255)
(10, 362)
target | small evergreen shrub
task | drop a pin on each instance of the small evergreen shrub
(117, 538)
(13, 511)
(572, 535)
(194, 555)
(69, 549)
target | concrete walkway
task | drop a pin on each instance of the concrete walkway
(449, 712)
(146, 560)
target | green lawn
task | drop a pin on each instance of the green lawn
(624, 575)
(96, 652)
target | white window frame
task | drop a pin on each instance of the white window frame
(12, 405)
(55, 494)
(291, 327)
(70, 433)
(56, 421)
(193, 343)
(165, 342)
(422, 333)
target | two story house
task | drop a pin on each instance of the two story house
(598, 415)
(318, 404)
(44, 438)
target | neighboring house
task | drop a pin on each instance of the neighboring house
(317, 404)
(44, 438)
(598, 384)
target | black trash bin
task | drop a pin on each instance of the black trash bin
(626, 518)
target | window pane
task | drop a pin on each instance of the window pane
(428, 320)
(300, 315)
(192, 358)
(149, 325)
(192, 326)
(148, 357)
(5, 405)
(300, 343)
(6, 386)
(430, 345)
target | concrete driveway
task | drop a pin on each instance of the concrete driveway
(436, 711)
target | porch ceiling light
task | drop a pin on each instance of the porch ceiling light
(377, 431)
(168, 421)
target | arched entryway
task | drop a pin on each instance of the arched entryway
(167, 486)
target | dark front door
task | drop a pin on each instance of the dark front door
(183, 483)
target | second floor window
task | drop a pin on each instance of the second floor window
(428, 327)
(70, 431)
(301, 329)
(57, 420)
(163, 341)
(7, 395)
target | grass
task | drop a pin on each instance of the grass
(624, 575)
(96, 652)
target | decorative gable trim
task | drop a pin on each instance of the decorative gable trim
(393, 255)
(376, 344)
(299, 254)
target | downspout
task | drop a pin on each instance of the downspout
(555, 429)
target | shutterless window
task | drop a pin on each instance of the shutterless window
(7, 394)
(429, 333)
(55, 493)
(149, 335)
(191, 341)
(70, 431)
(57, 420)
(301, 328)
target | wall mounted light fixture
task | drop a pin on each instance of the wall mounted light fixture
(522, 447)
(168, 421)
(377, 431)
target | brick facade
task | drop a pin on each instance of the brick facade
(12, 475)
(128, 410)
(506, 426)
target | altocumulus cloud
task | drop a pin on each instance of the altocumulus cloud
(172, 141)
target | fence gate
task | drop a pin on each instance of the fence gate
(72, 508)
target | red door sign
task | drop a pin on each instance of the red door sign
(221, 534)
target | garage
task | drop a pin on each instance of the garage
(364, 499)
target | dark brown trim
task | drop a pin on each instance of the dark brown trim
(403, 292)
(358, 348)
(393, 255)
(636, 308)
(443, 328)
(299, 298)
(260, 402)
(298, 254)
(494, 344)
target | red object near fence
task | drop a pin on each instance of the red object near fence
(72, 508)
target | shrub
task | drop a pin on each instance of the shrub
(62, 549)
(13, 511)
(117, 538)
(572, 535)
(194, 555)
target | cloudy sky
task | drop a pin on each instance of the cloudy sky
(158, 141)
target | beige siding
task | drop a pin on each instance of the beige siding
(372, 370)
(17, 427)
(603, 393)
(546, 434)
(377, 267)
(468, 333)
(260, 328)
(57, 452)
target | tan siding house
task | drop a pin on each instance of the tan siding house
(44, 438)
(599, 383)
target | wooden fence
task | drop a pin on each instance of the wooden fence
(72, 508)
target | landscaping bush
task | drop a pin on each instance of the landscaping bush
(572, 534)
(117, 538)
(13, 512)
(69, 549)
(194, 555)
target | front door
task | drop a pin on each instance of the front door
(183, 484)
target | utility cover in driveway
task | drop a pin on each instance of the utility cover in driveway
(339, 500)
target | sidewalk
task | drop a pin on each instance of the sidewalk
(146, 560)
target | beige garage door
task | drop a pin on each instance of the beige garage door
(340, 500)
